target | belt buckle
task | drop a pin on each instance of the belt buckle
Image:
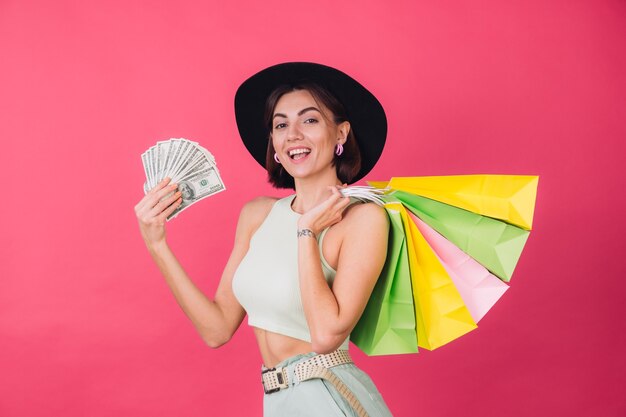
(280, 376)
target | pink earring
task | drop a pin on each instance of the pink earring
(276, 158)
(339, 149)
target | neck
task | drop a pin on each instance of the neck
(312, 191)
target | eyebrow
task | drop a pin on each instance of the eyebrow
(300, 113)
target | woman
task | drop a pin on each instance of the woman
(302, 267)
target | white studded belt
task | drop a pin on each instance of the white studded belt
(276, 379)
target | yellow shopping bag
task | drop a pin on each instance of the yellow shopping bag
(440, 313)
(506, 197)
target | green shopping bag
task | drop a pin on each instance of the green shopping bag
(494, 244)
(387, 325)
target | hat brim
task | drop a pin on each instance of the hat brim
(365, 113)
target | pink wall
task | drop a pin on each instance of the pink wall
(89, 328)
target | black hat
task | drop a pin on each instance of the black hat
(365, 113)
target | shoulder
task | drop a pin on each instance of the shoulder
(370, 214)
(364, 237)
(257, 209)
(258, 206)
(365, 222)
(253, 213)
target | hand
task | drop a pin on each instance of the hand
(154, 208)
(325, 214)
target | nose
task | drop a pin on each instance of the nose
(293, 132)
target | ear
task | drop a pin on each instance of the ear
(344, 129)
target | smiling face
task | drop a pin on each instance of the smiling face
(304, 135)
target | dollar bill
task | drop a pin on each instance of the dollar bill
(188, 164)
(197, 186)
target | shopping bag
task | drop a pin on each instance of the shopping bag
(510, 198)
(495, 244)
(440, 313)
(479, 289)
(464, 235)
(387, 326)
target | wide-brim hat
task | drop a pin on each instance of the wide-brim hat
(365, 113)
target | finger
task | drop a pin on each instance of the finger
(151, 199)
(336, 201)
(342, 204)
(164, 192)
(330, 201)
(142, 205)
(163, 204)
(339, 195)
(147, 200)
(169, 210)
(335, 192)
(160, 185)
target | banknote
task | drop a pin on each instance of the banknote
(196, 186)
(188, 164)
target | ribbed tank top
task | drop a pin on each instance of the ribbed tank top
(266, 282)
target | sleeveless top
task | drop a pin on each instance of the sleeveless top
(266, 282)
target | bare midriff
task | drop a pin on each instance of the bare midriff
(275, 347)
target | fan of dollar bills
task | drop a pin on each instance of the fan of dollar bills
(187, 164)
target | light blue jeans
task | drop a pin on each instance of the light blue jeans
(318, 397)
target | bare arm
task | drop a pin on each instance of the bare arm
(332, 314)
(215, 320)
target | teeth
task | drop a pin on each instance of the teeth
(298, 151)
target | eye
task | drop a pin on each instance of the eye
(310, 120)
(279, 126)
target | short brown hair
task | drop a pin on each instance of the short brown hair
(347, 165)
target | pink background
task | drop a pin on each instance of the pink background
(88, 327)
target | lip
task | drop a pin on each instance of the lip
(300, 160)
(293, 148)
